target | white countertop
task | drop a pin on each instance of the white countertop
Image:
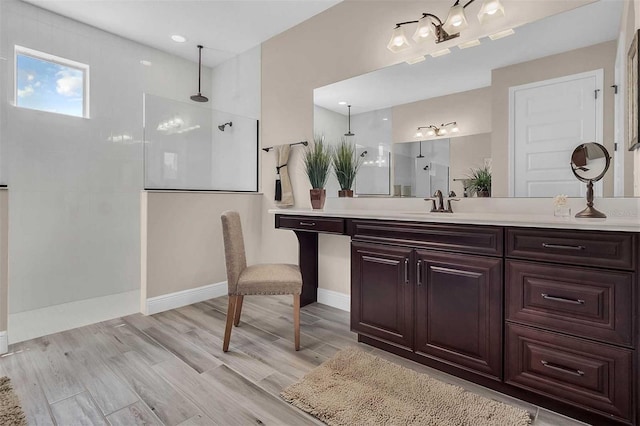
(625, 224)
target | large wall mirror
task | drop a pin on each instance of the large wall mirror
(516, 107)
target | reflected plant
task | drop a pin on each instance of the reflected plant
(346, 163)
(480, 182)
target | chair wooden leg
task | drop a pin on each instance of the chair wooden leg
(296, 320)
(236, 320)
(231, 309)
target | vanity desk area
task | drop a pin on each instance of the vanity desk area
(538, 307)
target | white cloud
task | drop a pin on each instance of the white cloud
(30, 77)
(37, 84)
(69, 83)
(27, 91)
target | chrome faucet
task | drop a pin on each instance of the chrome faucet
(437, 202)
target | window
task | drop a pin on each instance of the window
(49, 83)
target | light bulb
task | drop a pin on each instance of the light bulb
(490, 10)
(418, 135)
(442, 132)
(424, 29)
(398, 41)
(455, 130)
(456, 21)
(431, 133)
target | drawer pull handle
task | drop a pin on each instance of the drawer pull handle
(562, 299)
(562, 369)
(419, 272)
(406, 271)
(307, 224)
(563, 246)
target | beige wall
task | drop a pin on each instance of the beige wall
(184, 247)
(314, 54)
(470, 109)
(600, 56)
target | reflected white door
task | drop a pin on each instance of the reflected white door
(548, 120)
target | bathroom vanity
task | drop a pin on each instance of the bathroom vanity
(544, 310)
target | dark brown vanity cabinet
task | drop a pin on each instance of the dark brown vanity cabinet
(458, 316)
(570, 314)
(382, 293)
(438, 305)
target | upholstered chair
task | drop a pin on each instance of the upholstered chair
(252, 280)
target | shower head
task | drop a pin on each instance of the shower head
(426, 167)
(199, 97)
(363, 154)
(222, 126)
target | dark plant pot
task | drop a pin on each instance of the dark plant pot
(484, 194)
(348, 193)
(317, 198)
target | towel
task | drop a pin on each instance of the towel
(286, 195)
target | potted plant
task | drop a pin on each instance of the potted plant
(345, 162)
(317, 160)
(480, 182)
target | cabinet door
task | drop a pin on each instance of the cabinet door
(382, 293)
(459, 311)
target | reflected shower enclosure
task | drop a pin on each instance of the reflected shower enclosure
(182, 151)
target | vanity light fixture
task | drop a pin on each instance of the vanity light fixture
(433, 130)
(430, 25)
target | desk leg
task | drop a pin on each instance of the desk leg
(308, 261)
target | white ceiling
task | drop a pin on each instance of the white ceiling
(469, 69)
(225, 27)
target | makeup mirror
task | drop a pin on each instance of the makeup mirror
(589, 163)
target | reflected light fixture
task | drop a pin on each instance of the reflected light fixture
(349, 133)
(433, 130)
(178, 38)
(430, 26)
(502, 34)
(440, 53)
(198, 97)
(468, 44)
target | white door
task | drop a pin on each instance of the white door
(548, 120)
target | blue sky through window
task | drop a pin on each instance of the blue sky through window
(48, 86)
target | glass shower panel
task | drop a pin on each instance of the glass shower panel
(190, 147)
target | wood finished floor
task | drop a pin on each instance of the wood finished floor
(169, 368)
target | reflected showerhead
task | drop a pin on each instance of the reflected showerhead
(363, 153)
(199, 97)
(222, 126)
(426, 167)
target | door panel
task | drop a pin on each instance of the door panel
(382, 292)
(550, 118)
(459, 310)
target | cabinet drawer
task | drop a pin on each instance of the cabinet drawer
(580, 301)
(588, 248)
(460, 238)
(312, 224)
(590, 375)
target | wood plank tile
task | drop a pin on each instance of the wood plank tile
(164, 400)
(25, 382)
(235, 359)
(78, 410)
(127, 337)
(54, 370)
(190, 354)
(199, 420)
(134, 414)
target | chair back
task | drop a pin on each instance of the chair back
(234, 253)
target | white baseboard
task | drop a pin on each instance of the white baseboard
(53, 319)
(4, 342)
(334, 299)
(178, 299)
